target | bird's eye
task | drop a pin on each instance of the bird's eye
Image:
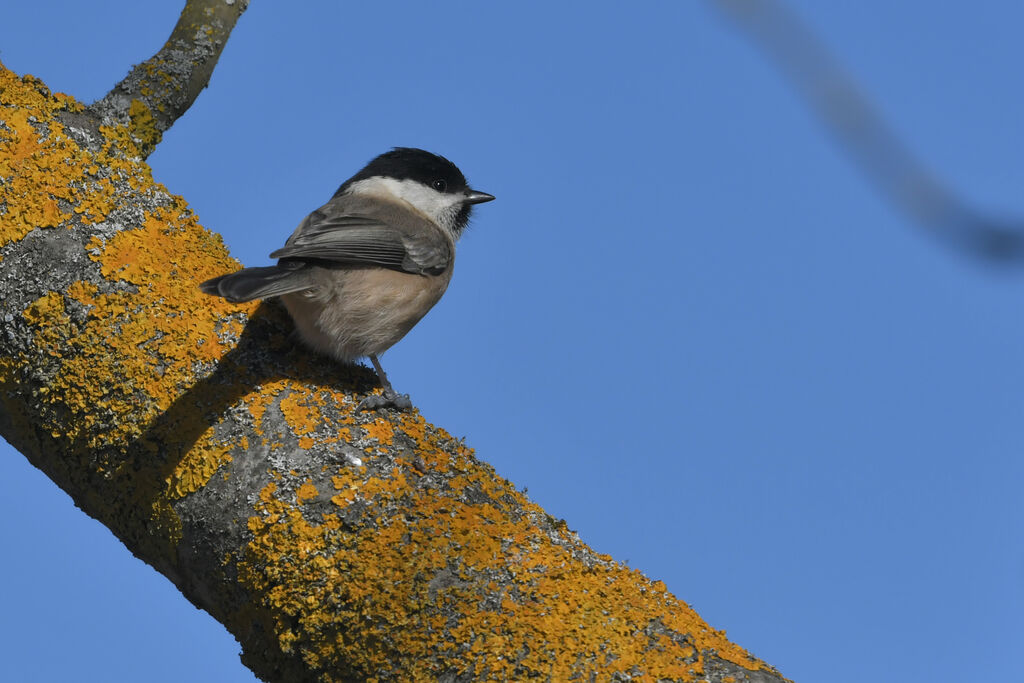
(440, 185)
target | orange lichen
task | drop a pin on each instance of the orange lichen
(257, 405)
(515, 603)
(196, 467)
(128, 354)
(40, 166)
(381, 430)
(301, 413)
(45, 308)
(305, 492)
(415, 427)
(143, 125)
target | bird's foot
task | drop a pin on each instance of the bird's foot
(389, 399)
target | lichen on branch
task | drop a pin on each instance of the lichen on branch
(156, 92)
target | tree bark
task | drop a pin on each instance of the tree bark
(159, 90)
(334, 545)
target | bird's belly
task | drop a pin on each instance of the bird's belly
(355, 313)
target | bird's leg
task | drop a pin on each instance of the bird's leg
(390, 397)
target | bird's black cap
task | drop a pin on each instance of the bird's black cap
(403, 163)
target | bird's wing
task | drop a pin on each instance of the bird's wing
(360, 233)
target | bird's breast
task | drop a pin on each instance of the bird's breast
(356, 312)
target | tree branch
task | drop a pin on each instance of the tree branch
(883, 159)
(159, 90)
(334, 545)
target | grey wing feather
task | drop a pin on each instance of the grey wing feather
(257, 283)
(345, 230)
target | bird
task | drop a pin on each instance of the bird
(360, 271)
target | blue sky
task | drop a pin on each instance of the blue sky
(688, 324)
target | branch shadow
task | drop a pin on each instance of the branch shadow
(266, 352)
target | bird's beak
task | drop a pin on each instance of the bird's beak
(474, 197)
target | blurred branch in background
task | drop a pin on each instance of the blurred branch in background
(886, 162)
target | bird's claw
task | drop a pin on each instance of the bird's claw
(386, 400)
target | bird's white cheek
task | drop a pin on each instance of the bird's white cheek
(439, 207)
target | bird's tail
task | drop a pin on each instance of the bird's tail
(256, 283)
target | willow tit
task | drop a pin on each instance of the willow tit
(359, 272)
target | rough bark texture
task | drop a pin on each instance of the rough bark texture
(335, 546)
(159, 90)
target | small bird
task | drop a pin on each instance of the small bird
(359, 272)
